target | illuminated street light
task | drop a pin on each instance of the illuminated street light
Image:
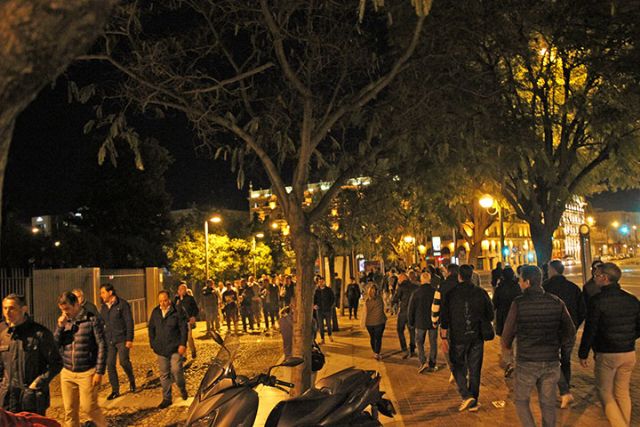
(486, 201)
(253, 249)
(409, 239)
(56, 243)
(590, 221)
(615, 224)
(35, 230)
(215, 219)
(259, 235)
(274, 225)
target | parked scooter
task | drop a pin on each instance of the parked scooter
(227, 399)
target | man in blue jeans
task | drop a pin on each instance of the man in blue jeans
(542, 324)
(168, 338)
(419, 317)
(323, 301)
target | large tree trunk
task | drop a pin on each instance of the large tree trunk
(541, 235)
(38, 39)
(475, 250)
(305, 249)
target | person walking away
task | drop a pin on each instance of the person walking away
(86, 304)
(442, 291)
(419, 317)
(393, 288)
(210, 303)
(285, 322)
(118, 332)
(230, 309)
(496, 275)
(571, 295)
(465, 308)
(256, 301)
(188, 303)
(245, 297)
(405, 289)
(168, 335)
(80, 338)
(353, 298)
(508, 289)
(289, 290)
(323, 300)
(611, 330)
(270, 301)
(29, 359)
(590, 288)
(542, 325)
(375, 320)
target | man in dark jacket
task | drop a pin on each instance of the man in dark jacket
(419, 318)
(611, 331)
(289, 290)
(353, 298)
(80, 336)
(541, 323)
(406, 288)
(571, 295)
(270, 295)
(168, 332)
(503, 296)
(118, 331)
(188, 303)
(465, 307)
(211, 305)
(246, 295)
(323, 301)
(29, 359)
(496, 275)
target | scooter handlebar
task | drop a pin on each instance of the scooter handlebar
(284, 383)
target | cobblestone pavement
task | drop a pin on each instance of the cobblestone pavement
(429, 400)
(255, 353)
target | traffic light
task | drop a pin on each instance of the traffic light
(505, 251)
(624, 229)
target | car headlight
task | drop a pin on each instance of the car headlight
(208, 420)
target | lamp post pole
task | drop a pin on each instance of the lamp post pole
(206, 250)
(502, 245)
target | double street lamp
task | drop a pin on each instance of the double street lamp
(488, 202)
(215, 219)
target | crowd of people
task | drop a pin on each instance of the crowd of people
(535, 312)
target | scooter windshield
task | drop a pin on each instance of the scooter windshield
(221, 365)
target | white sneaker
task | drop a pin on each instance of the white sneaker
(566, 400)
(423, 368)
(466, 404)
(474, 408)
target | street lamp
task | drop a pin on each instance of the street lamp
(215, 219)
(253, 249)
(488, 202)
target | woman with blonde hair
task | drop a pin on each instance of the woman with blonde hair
(375, 319)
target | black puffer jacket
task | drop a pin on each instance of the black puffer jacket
(82, 343)
(570, 294)
(419, 311)
(188, 304)
(613, 323)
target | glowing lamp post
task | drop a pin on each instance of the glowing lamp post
(488, 202)
(215, 219)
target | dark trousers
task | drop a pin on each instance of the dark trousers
(211, 317)
(375, 336)
(247, 317)
(122, 352)
(171, 371)
(564, 383)
(402, 323)
(324, 318)
(421, 334)
(272, 312)
(353, 307)
(466, 361)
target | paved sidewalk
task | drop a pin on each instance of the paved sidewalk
(429, 399)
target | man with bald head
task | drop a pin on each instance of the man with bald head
(406, 288)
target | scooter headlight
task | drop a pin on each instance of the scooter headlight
(208, 420)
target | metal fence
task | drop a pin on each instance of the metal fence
(42, 287)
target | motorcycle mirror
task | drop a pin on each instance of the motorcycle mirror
(293, 361)
(217, 338)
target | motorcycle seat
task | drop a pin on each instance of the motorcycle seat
(308, 409)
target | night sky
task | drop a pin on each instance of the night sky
(47, 159)
(49, 154)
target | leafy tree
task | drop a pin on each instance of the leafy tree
(547, 96)
(39, 39)
(229, 258)
(294, 84)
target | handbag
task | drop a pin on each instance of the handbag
(486, 330)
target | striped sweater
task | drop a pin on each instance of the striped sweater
(439, 297)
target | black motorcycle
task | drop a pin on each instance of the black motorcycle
(348, 397)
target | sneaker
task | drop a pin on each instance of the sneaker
(432, 369)
(452, 379)
(378, 356)
(566, 400)
(113, 395)
(164, 404)
(474, 408)
(423, 368)
(466, 404)
(508, 371)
